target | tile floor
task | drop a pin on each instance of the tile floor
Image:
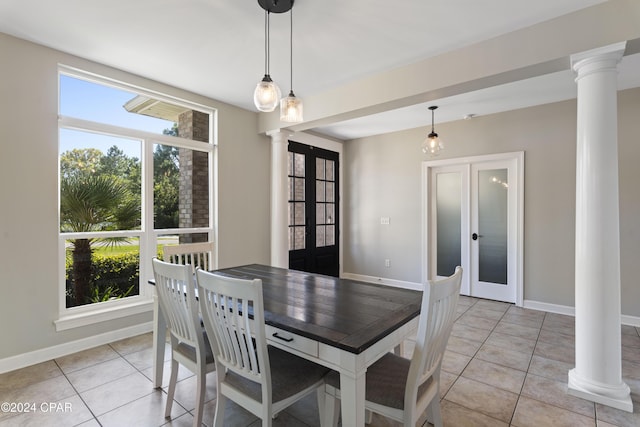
(504, 366)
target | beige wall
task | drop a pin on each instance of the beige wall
(28, 193)
(383, 178)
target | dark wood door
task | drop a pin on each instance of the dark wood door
(313, 209)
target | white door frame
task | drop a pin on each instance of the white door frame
(428, 223)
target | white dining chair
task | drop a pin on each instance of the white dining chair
(261, 378)
(190, 347)
(402, 389)
(195, 254)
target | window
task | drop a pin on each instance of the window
(136, 173)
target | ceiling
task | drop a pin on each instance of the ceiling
(216, 47)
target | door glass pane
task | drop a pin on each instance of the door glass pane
(448, 214)
(320, 213)
(320, 168)
(330, 235)
(492, 225)
(320, 192)
(330, 193)
(320, 234)
(330, 166)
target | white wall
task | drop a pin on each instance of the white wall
(28, 194)
(382, 178)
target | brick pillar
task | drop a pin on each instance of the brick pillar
(194, 172)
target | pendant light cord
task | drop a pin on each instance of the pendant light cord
(291, 49)
(432, 128)
(266, 42)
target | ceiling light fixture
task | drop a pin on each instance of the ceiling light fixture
(291, 107)
(267, 93)
(432, 144)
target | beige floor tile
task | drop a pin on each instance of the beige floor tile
(466, 301)
(517, 330)
(519, 344)
(562, 353)
(557, 338)
(70, 411)
(523, 320)
(143, 359)
(549, 368)
(555, 393)
(477, 322)
(133, 344)
(504, 357)
(114, 394)
(629, 330)
(102, 373)
(630, 370)
(28, 376)
(186, 391)
(469, 332)
(454, 363)
(183, 373)
(495, 375)
(552, 320)
(147, 411)
(454, 415)
(234, 415)
(483, 398)
(463, 346)
(84, 359)
(618, 417)
(526, 312)
(487, 313)
(51, 390)
(306, 409)
(632, 354)
(629, 340)
(533, 413)
(446, 381)
(493, 305)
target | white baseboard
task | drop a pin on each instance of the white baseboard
(44, 354)
(533, 305)
(383, 281)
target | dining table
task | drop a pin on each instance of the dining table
(339, 323)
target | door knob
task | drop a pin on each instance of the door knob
(475, 236)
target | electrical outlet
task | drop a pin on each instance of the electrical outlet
(387, 263)
(384, 220)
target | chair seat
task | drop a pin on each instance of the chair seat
(190, 351)
(289, 374)
(386, 381)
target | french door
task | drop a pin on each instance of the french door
(313, 209)
(474, 219)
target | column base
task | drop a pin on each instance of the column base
(617, 397)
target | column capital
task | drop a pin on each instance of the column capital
(279, 135)
(600, 59)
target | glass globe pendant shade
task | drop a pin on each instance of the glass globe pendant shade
(432, 144)
(291, 109)
(266, 95)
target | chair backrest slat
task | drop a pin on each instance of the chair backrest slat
(437, 315)
(233, 315)
(176, 294)
(196, 254)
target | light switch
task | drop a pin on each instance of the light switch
(384, 220)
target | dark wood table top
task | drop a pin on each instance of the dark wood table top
(343, 313)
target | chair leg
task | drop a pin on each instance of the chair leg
(221, 402)
(172, 387)
(433, 412)
(331, 412)
(201, 390)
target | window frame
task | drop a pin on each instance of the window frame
(148, 236)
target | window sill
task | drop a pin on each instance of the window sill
(103, 314)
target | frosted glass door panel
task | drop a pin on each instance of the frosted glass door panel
(448, 212)
(492, 225)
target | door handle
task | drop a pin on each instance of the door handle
(475, 236)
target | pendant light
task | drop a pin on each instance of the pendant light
(432, 144)
(267, 93)
(291, 107)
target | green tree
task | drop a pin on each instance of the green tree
(166, 184)
(80, 162)
(94, 203)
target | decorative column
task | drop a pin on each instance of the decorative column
(598, 372)
(279, 199)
